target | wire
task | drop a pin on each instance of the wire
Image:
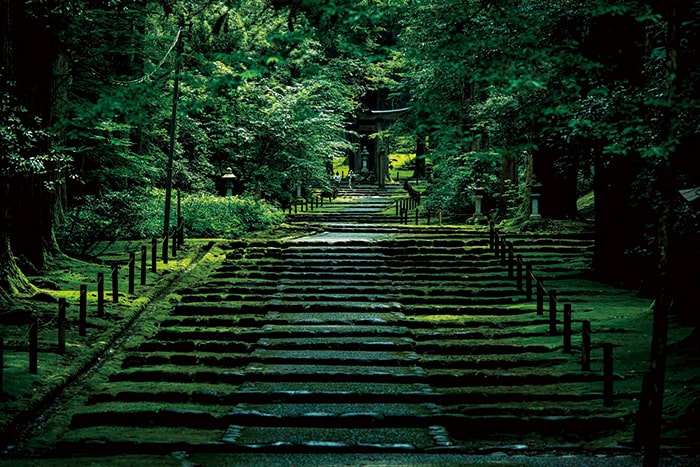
(158, 67)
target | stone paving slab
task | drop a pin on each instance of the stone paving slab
(349, 388)
(347, 357)
(331, 438)
(321, 409)
(337, 317)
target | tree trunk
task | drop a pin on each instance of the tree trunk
(12, 281)
(558, 175)
(34, 212)
(619, 222)
(419, 167)
(657, 364)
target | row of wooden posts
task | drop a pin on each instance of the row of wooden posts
(402, 206)
(303, 204)
(504, 250)
(170, 244)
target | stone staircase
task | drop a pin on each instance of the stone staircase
(363, 204)
(386, 340)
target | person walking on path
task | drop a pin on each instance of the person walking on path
(351, 177)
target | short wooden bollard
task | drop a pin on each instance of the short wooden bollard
(511, 260)
(34, 346)
(440, 217)
(164, 249)
(132, 272)
(519, 274)
(496, 242)
(540, 298)
(552, 312)
(567, 327)
(586, 345)
(143, 264)
(608, 375)
(62, 325)
(154, 254)
(295, 207)
(528, 282)
(115, 283)
(416, 216)
(174, 244)
(100, 294)
(82, 317)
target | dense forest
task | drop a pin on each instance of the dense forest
(110, 106)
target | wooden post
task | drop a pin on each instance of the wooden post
(174, 243)
(504, 251)
(511, 260)
(540, 297)
(181, 232)
(115, 283)
(83, 310)
(528, 282)
(180, 222)
(608, 375)
(164, 248)
(62, 325)
(586, 345)
(416, 216)
(552, 312)
(100, 294)
(492, 233)
(132, 271)
(33, 346)
(154, 254)
(143, 264)
(567, 327)
(496, 242)
(519, 276)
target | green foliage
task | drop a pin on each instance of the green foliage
(138, 214)
(227, 217)
(24, 145)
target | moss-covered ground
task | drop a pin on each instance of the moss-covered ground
(25, 397)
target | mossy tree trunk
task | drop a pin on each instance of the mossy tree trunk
(12, 281)
(35, 198)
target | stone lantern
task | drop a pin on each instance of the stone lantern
(364, 156)
(229, 177)
(478, 196)
(535, 194)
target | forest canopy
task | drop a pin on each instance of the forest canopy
(108, 105)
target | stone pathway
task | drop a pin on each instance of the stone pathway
(358, 339)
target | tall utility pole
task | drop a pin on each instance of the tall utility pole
(171, 148)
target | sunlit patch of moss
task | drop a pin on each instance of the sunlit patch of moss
(137, 435)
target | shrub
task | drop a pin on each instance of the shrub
(228, 217)
(128, 215)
